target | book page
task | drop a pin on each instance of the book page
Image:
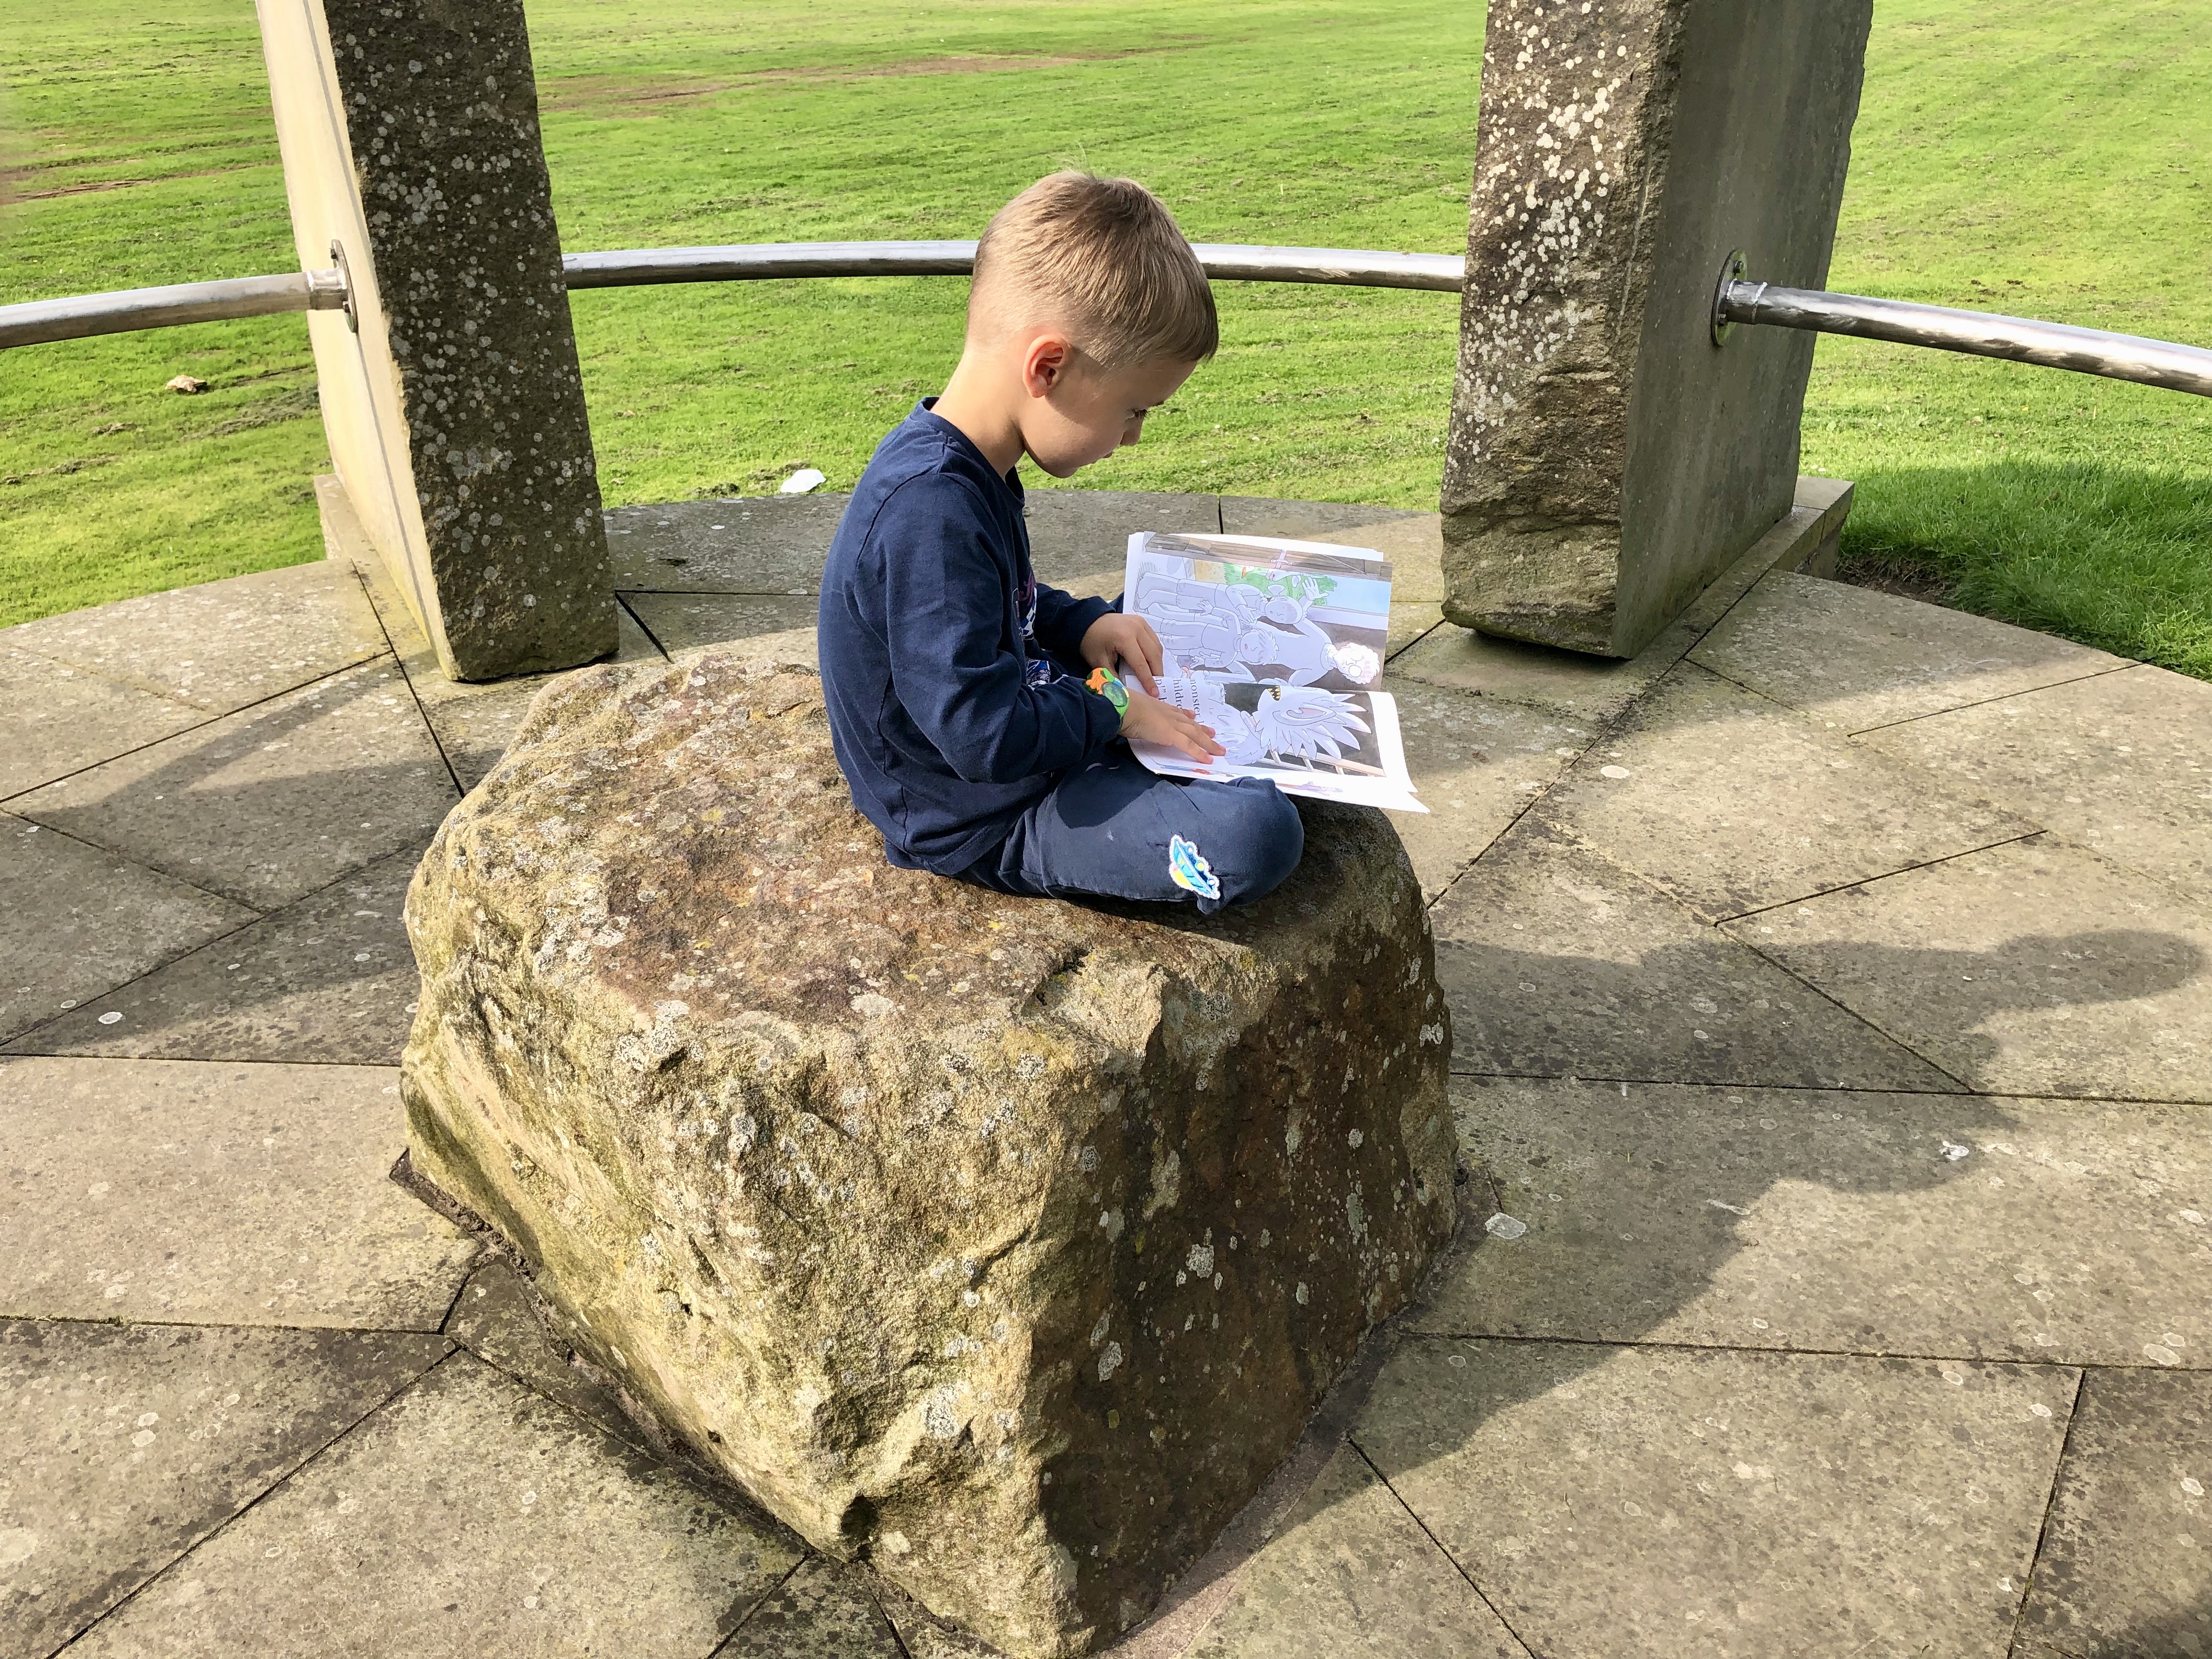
(1277, 646)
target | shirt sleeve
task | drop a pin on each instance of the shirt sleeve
(1062, 620)
(946, 626)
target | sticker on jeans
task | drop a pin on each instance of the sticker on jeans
(1190, 871)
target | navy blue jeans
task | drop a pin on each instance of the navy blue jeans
(1112, 828)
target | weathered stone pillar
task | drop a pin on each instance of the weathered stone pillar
(450, 391)
(1607, 459)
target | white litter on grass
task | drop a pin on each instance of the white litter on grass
(807, 478)
(1504, 1227)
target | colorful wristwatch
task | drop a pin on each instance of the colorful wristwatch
(1107, 686)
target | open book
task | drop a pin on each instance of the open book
(1278, 646)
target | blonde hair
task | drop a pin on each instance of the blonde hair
(1102, 257)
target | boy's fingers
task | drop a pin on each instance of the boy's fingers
(1155, 654)
(1145, 652)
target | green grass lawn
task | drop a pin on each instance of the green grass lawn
(2012, 154)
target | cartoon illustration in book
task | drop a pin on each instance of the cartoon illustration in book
(1239, 626)
(1277, 646)
(1259, 724)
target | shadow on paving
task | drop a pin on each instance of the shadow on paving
(1576, 1015)
(2184, 1635)
(1419, 1426)
(262, 806)
(328, 979)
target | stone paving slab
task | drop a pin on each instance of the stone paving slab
(1556, 962)
(759, 544)
(61, 719)
(1801, 812)
(1599, 690)
(1478, 762)
(493, 1319)
(823, 1611)
(1075, 532)
(221, 645)
(1095, 584)
(921, 1636)
(2033, 969)
(1591, 691)
(1859, 658)
(273, 802)
(1351, 1572)
(2126, 1566)
(123, 1446)
(1414, 545)
(330, 977)
(82, 921)
(466, 1516)
(1938, 1226)
(1411, 622)
(771, 627)
(473, 723)
(1307, 521)
(192, 1192)
(1621, 1502)
(2121, 761)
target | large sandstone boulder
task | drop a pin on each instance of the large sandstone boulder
(1005, 1243)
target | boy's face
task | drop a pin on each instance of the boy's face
(1077, 412)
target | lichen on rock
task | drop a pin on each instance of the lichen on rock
(1005, 1243)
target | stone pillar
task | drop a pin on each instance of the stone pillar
(1607, 459)
(450, 391)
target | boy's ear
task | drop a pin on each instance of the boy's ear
(1045, 364)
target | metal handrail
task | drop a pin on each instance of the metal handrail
(41, 321)
(82, 315)
(1223, 261)
(1978, 333)
(2020, 339)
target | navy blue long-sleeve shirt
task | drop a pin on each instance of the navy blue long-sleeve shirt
(951, 676)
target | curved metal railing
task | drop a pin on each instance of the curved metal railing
(1233, 262)
(2018, 340)
(82, 315)
(42, 321)
(1977, 333)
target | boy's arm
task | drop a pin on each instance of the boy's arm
(1062, 620)
(945, 618)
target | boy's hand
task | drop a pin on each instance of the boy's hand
(1114, 637)
(1151, 720)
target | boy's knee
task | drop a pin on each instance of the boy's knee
(1272, 837)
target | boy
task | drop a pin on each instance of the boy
(956, 687)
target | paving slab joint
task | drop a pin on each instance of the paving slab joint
(644, 627)
(2050, 1506)
(1190, 1607)
(1458, 1566)
(1568, 834)
(496, 1246)
(414, 697)
(160, 1574)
